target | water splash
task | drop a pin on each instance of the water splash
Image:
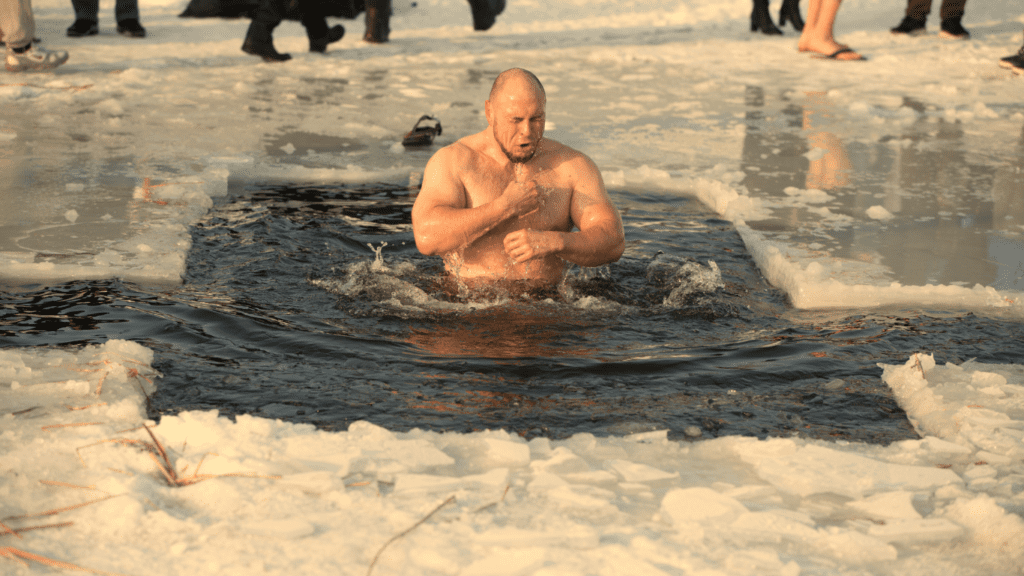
(378, 261)
(686, 279)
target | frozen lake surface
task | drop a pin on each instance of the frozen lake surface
(807, 362)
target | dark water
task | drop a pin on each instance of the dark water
(311, 304)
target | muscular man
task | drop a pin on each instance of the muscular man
(502, 204)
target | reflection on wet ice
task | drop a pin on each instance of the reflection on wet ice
(925, 201)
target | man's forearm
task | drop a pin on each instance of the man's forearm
(594, 247)
(445, 229)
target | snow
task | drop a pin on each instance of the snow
(269, 497)
(130, 143)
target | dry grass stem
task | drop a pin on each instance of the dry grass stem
(64, 509)
(163, 462)
(8, 530)
(130, 372)
(17, 554)
(70, 425)
(17, 531)
(406, 531)
(84, 407)
(60, 484)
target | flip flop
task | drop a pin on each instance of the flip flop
(422, 135)
(833, 56)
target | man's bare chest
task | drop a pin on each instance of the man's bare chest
(554, 197)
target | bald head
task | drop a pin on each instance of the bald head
(517, 79)
(515, 114)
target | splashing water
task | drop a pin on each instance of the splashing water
(378, 261)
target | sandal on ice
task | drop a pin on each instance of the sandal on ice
(843, 50)
(422, 135)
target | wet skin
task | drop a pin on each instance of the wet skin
(502, 204)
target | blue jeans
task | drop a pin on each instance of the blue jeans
(89, 9)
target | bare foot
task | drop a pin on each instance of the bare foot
(829, 48)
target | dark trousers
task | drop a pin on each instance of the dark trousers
(919, 9)
(89, 9)
(312, 14)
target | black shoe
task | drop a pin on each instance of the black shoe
(130, 27)
(910, 27)
(259, 42)
(333, 35)
(791, 11)
(761, 20)
(485, 12)
(83, 27)
(952, 29)
(1014, 63)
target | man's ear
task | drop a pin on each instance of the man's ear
(487, 111)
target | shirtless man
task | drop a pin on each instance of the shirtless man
(502, 204)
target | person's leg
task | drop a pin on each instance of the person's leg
(86, 18)
(952, 12)
(919, 9)
(761, 20)
(126, 12)
(378, 18)
(913, 23)
(19, 26)
(17, 22)
(817, 35)
(259, 39)
(790, 10)
(315, 23)
(485, 12)
(952, 9)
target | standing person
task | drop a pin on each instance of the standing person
(500, 206)
(951, 12)
(259, 39)
(17, 27)
(818, 37)
(761, 21)
(378, 15)
(126, 12)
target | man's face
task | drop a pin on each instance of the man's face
(517, 122)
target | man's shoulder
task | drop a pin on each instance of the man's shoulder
(462, 150)
(560, 154)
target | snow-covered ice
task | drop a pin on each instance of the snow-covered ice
(261, 496)
(107, 162)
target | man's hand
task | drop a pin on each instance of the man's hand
(522, 198)
(523, 245)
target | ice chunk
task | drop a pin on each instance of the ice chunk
(506, 453)
(634, 472)
(879, 213)
(775, 526)
(508, 563)
(908, 530)
(700, 504)
(561, 461)
(814, 469)
(887, 505)
(576, 536)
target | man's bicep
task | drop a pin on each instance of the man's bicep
(590, 202)
(441, 186)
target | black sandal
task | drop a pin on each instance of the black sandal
(422, 135)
